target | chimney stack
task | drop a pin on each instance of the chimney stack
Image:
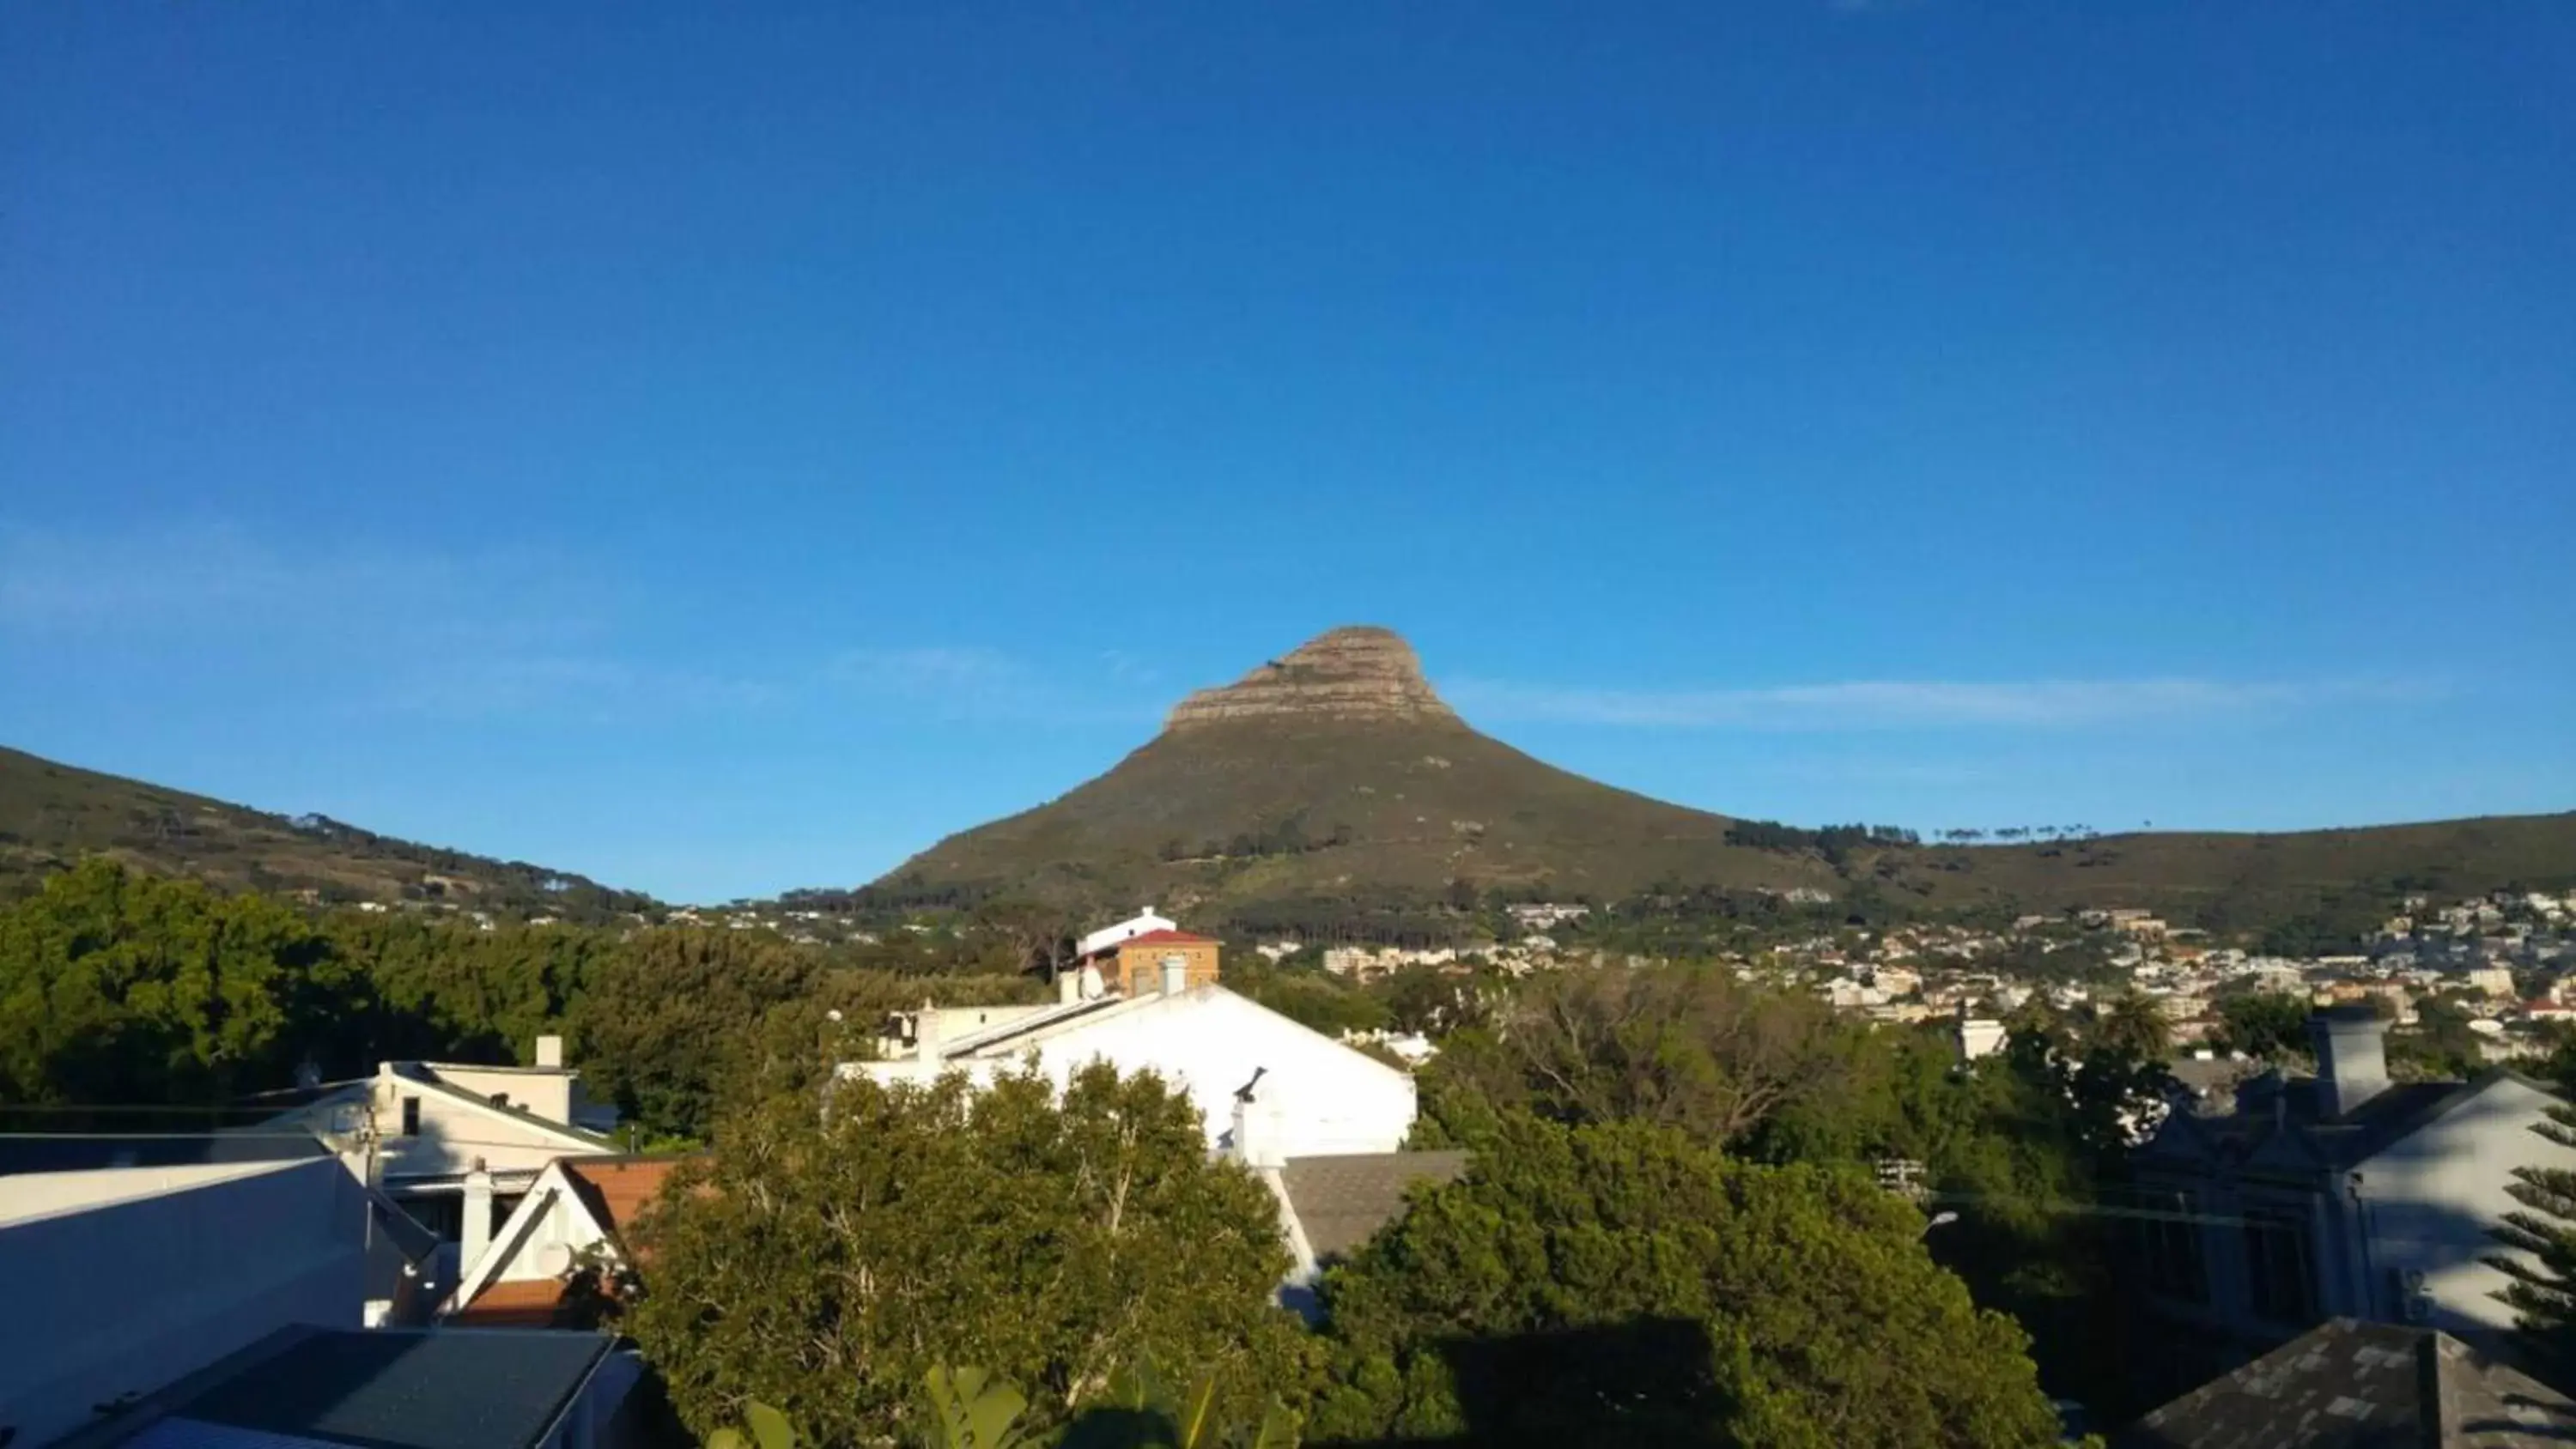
(2352, 1058)
(476, 1236)
(1255, 1125)
(550, 1051)
(925, 1040)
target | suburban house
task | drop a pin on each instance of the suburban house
(1134, 965)
(456, 1145)
(312, 1388)
(563, 1248)
(1141, 923)
(2347, 1384)
(2345, 1194)
(133, 1262)
(1308, 1094)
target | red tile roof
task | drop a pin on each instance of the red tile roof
(617, 1189)
(528, 1303)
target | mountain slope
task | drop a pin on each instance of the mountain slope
(52, 814)
(1336, 771)
(2234, 881)
(1335, 777)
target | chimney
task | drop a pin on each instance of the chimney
(1068, 987)
(2352, 1060)
(1255, 1126)
(925, 1039)
(1176, 975)
(477, 1235)
(550, 1051)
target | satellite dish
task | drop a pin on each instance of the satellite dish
(554, 1260)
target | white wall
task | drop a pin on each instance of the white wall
(2429, 1199)
(552, 1216)
(124, 1298)
(452, 1135)
(550, 1094)
(1324, 1097)
(27, 1195)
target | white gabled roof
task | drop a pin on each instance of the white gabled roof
(1012, 1039)
(1136, 925)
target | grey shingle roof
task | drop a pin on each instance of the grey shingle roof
(2352, 1385)
(388, 1389)
(2344, 1141)
(1342, 1201)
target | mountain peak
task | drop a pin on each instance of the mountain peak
(1356, 672)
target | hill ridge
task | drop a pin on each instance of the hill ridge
(1334, 777)
(52, 813)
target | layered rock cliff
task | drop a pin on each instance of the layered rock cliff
(1357, 673)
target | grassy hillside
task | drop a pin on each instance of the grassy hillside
(1321, 822)
(52, 814)
(2239, 882)
(1226, 814)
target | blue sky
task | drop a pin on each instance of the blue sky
(721, 451)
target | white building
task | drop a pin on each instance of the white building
(573, 1221)
(1980, 1037)
(1310, 1095)
(1144, 922)
(2343, 1194)
(2495, 981)
(455, 1145)
(129, 1263)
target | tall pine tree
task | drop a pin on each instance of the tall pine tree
(2542, 1236)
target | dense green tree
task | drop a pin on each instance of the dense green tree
(1683, 1046)
(824, 1262)
(121, 988)
(662, 1020)
(1624, 1283)
(1305, 995)
(2269, 1025)
(2133, 1024)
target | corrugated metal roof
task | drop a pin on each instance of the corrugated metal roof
(390, 1389)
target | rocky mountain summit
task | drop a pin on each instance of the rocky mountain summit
(1356, 673)
(1331, 792)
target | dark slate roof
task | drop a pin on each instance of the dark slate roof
(2343, 1141)
(2352, 1385)
(385, 1389)
(1341, 1202)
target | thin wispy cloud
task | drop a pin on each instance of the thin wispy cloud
(1896, 703)
(214, 579)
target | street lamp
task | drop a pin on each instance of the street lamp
(1939, 1220)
